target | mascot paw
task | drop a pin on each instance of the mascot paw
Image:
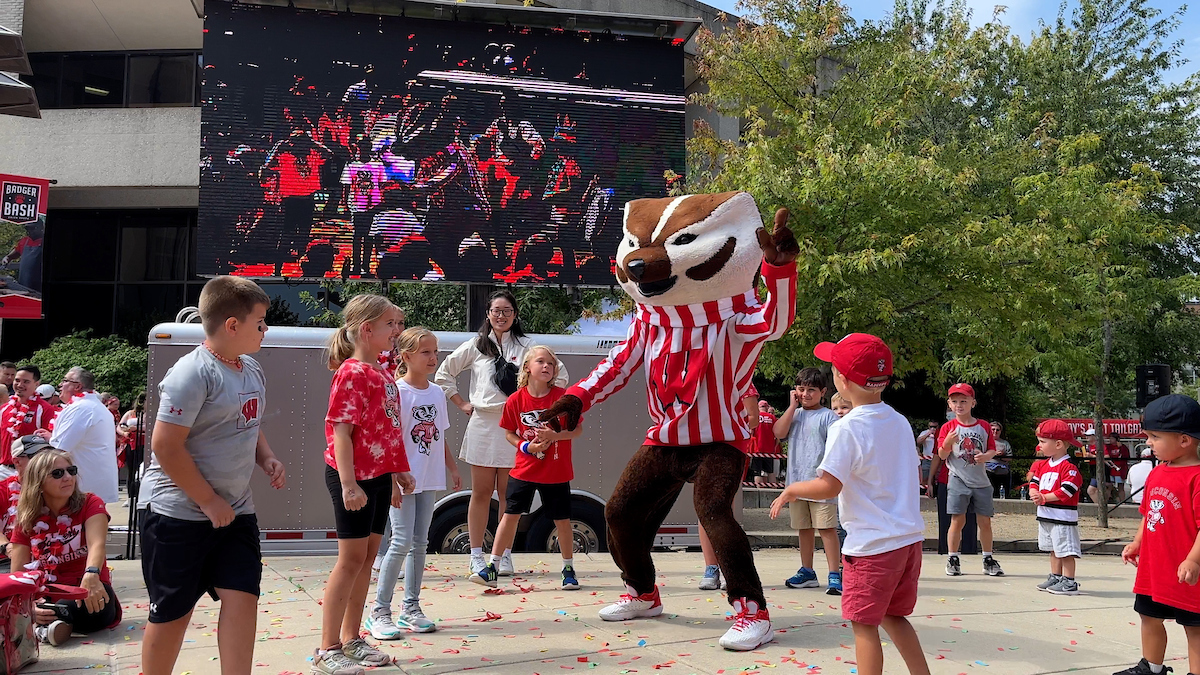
(568, 405)
(780, 247)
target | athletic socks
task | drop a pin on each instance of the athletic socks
(567, 562)
(508, 551)
(1155, 667)
(477, 551)
(987, 554)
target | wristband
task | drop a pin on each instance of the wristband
(524, 447)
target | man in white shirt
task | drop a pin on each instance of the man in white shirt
(87, 430)
(1137, 475)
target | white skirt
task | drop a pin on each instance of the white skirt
(485, 444)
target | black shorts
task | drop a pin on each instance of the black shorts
(1146, 606)
(370, 519)
(556, 498)
(184, 559)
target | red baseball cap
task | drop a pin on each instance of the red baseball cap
(962, 388)
(1057, 430)
(864, 359)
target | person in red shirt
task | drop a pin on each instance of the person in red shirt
(1166, 549)
(543, 464)
(23, 450)
(364, 456)
(23, 414)
(60, 531)
(1055, 489)
(1114, 471)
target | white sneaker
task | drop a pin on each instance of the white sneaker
(504, 565)
(633, 606)
(381, 626)
(751, 627)
(478, 562)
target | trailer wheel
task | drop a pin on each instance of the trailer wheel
(448, 531)
(587, 529)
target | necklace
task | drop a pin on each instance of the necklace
(232, 363)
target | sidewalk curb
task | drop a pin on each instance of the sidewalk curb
(1093, 547)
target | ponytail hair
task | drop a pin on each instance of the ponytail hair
(360, 310)
(408, 342)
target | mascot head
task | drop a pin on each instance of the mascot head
(691, 249)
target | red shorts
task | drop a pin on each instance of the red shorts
(880, 585)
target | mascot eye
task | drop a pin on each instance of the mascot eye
(684, 239)
(632, 244)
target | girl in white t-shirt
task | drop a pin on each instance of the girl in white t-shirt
(424, 422)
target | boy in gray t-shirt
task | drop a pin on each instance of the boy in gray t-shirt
(805, 424)
(966, 444)
(199, 531)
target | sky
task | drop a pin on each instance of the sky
(1023, 16)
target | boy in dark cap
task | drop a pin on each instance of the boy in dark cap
(1166, 549)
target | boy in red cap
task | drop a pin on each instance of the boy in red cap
(869, 452)
(1055, 489)
(966, 445)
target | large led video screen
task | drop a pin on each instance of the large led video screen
(361, 146)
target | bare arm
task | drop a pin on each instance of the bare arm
(823, 487)
(95, 533)
(343, 452)
(783, 423)
(267, 461)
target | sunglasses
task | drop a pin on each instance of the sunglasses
(57, 474)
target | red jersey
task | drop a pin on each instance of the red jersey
(1118, 469)
(1061, 478)
(362, 395)
(520, 416)
(39, 417)
(698, 361)
(75, 550)
(1171, 506)
(764, 435)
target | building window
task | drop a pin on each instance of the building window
(115, 79)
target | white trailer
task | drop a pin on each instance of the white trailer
(299, 518)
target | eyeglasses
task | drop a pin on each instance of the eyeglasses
(66, 381)
(60, 472)
(501, 311)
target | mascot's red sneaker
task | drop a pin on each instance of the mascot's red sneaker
(751, 627)
(633, 606)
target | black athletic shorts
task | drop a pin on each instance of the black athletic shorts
(370, 519)
(556, 498)
(1146, 606)
(184, 559)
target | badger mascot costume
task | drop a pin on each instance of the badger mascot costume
(690, 263)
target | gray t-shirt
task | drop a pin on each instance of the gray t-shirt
(222, 408)
(806, 443)
(973, 440)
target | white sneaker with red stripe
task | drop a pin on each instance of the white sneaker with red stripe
(751, 627)
(633, 606)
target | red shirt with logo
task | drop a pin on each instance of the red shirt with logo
(1171, 507)
(39, 417)
(1118, 469)
(520, 416)
(1061, 478)
(364, 396)
(75, 550)
(764, 434)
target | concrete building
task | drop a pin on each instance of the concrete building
(118, 85)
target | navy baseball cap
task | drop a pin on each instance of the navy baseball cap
(28, 446)
(1173, 413)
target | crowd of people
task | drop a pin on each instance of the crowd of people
(386, 458)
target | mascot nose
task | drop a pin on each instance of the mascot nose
(636, 268)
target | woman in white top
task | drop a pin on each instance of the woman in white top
(493, 359)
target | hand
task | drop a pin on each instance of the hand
(568, 405)
(407, 482)
(538, 448)
(795, 399)
(219, 512)
(467, 408)
(932, 489)
(1131, 553)
(43, 434)
(352, 497)
(456, 479)
(398, 495)
(1188, 572)
(274, 470)
(1037, 498)
(545, 436)
(951, 439)
(779, 247)
(96, 597)
(43, 616)
(781, 501)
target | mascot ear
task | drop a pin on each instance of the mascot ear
(568, 405)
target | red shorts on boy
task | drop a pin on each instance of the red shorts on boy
(876, 586)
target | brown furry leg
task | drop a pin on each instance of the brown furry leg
(718, 473)
(640, 503)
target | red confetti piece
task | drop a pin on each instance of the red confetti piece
(490, 616)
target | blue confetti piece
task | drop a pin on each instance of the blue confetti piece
(641, 643)
(980, 663)
(562, 612)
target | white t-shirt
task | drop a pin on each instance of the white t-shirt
(871, 451)
(1137, 479)
(927, 439)
(423, 418)
(87, 430)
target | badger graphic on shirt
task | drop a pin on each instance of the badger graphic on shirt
(424, 431)
(1155, 517)
(529, 420)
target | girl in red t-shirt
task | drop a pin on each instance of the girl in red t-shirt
(543, 463)
(364, 457)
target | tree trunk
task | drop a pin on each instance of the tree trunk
(1101, 490)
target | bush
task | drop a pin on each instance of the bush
(119, 367)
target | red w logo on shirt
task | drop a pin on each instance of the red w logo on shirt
(675, 379)
(248, 415)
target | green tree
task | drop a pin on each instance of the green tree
(119, 367)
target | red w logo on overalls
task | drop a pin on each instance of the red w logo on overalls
(675, 379)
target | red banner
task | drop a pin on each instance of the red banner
(23, 203)
(1122, 428)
